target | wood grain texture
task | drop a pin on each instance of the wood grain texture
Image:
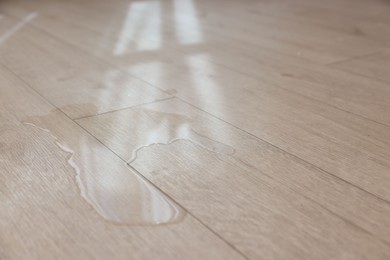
(372, 66)
(44, 216)
(286, 70)
(251, 129)
(67, 77)
(181, 135)
(209, 20)
(339, 142)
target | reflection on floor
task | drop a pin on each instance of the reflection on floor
(194, 129)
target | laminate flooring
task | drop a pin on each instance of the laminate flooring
(194, 129)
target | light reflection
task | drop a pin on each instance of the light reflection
(185, 13)
(114, 190)
(204, 77)
(154, 69)
(142, 20)
(129, 131)
(17, 27)
(123, 195)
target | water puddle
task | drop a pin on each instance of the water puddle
(129, 131)
(118, 193)
(189, 135)
(112, 187)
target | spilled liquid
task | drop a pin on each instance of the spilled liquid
(117, 193)
(188, 135)
(133, 130)
(113, 188)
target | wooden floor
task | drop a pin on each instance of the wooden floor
(194, 129)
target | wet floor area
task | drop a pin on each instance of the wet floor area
(193, 129)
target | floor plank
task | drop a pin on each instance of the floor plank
(252, 129)
(338, 142)
(49, 211)
(367, 18)
(66, 76)
(207, 21)
(373, 66)
(303, 77)
(238, 174)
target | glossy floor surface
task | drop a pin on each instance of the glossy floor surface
(195, 129)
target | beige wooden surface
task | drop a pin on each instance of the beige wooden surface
(194, 129)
